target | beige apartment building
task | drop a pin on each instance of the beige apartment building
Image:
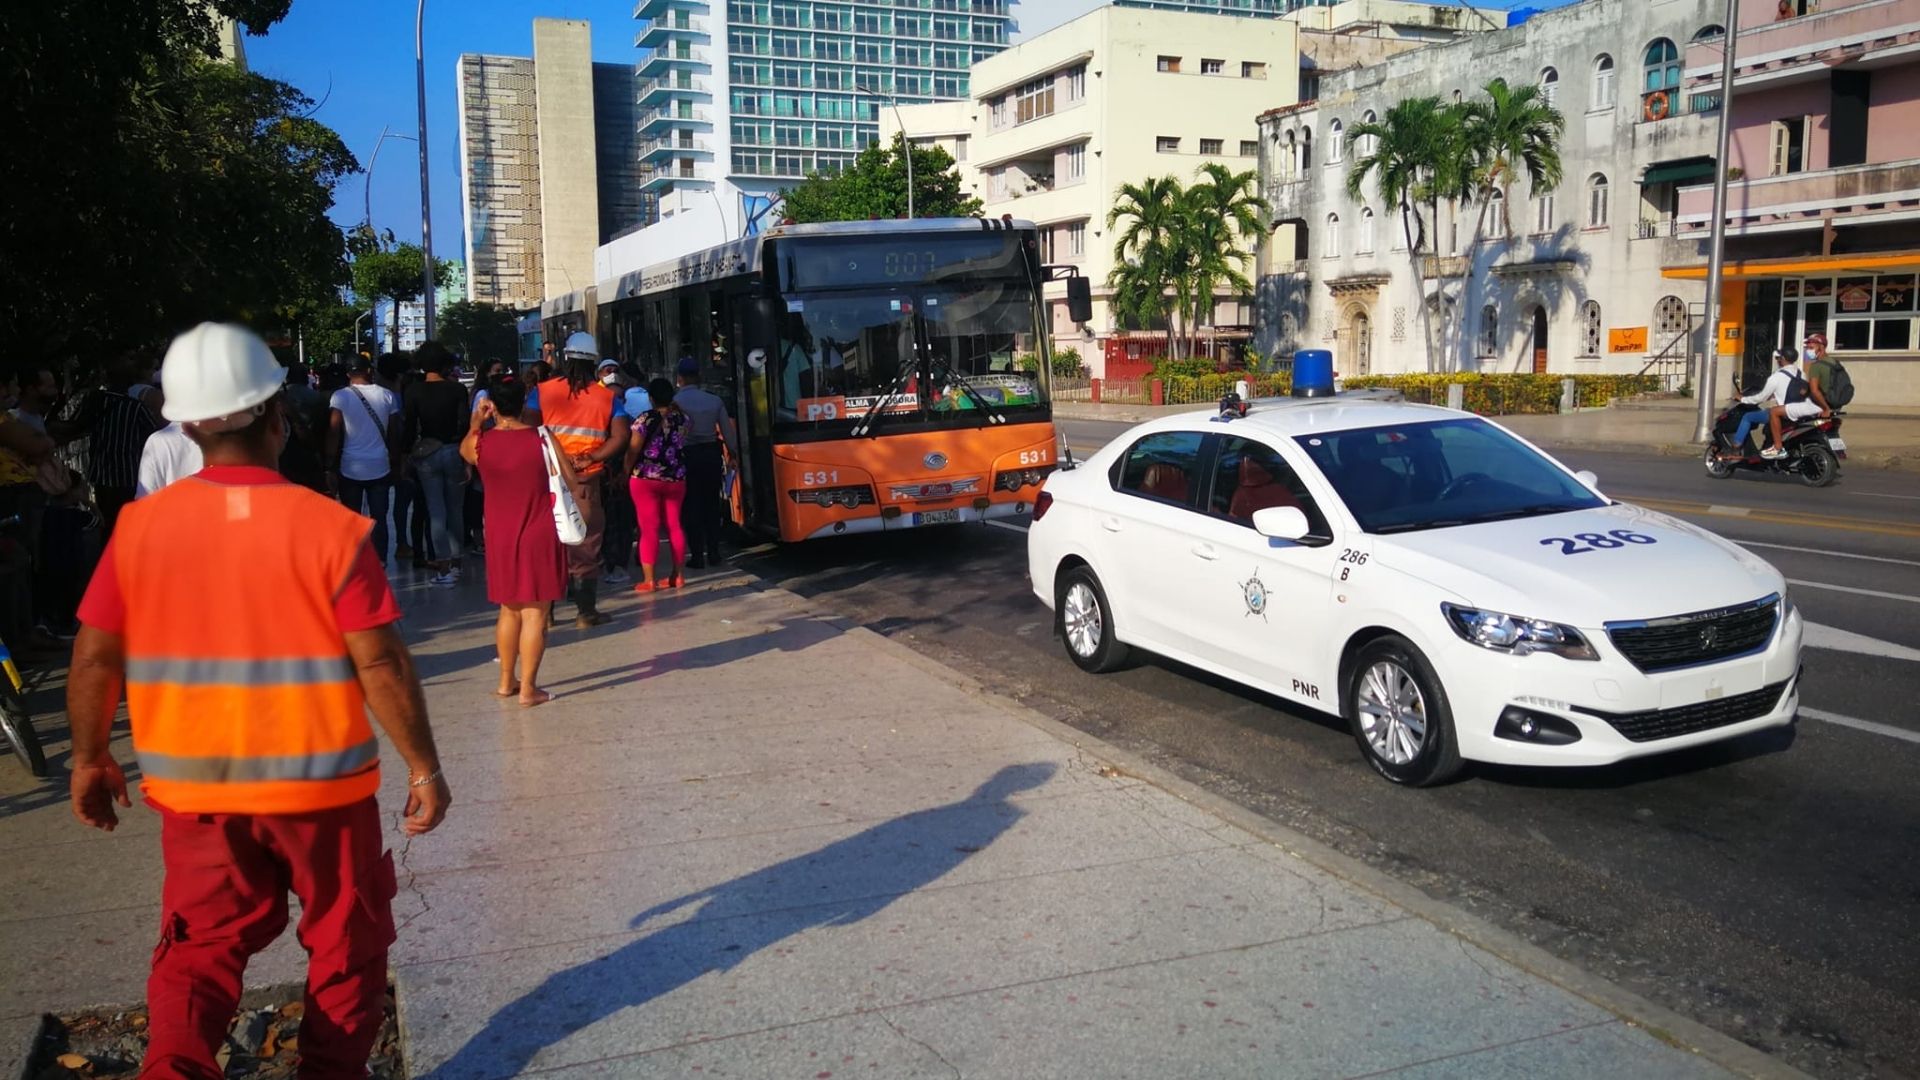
(1055, 125)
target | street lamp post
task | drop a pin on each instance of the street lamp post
(426, 206)
(356, 330)
(906, 144)
(1716, 246)
(366, 190)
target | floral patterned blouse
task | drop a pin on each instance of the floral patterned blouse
(663, 438)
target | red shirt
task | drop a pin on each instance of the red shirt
(365, 600)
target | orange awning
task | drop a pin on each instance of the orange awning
(1892, 262)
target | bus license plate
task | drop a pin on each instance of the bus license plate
(937, 517)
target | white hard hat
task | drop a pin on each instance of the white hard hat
(581, 343)
(218, 372)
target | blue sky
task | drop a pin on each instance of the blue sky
(355, 57)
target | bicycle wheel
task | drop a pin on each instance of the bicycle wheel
(17, 725)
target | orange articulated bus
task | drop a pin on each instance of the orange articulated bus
(883, 374)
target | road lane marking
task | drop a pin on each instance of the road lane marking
(1009, 526)
(1857, 592)
(1775, 517)
(1861, 725)
(1836, 554)
(1885, 495)
(1819, 636)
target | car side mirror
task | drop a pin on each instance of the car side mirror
(1281, 523)
(1080, 299)
(1587, 477)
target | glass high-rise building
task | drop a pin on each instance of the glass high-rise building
(742, 98)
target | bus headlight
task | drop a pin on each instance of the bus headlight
(850, 496)
(1015, 479)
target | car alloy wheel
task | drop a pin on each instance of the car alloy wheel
(1084, 620)
(1393, 713)
(1081, 620)
(1399, 714)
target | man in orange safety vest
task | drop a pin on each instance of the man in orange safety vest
(248, 671)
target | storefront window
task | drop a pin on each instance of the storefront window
(1868, 313)
(1894, 293)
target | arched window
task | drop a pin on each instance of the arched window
(1363, 238)
(1661, 70)
(1306, 150)
(1669, 321)
(1489, 330)
(1549, 84)
(1590, 328)
(1709, 32)
(1368, 145)
(1599, 214)
(1330, 246)
(1289, 163)
(1603, 95)
(1335, 131)
(1496, 214)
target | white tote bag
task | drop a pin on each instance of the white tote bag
(567, 519)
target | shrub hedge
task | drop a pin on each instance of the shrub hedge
(1488, 394)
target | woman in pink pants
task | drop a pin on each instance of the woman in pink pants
(658, 471)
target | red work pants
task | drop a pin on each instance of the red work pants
(225, 898)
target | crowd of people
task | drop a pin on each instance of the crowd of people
(251, 671)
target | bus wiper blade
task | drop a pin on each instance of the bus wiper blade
(866, 426)
(979, 401)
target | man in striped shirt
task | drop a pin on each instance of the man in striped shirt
(116, 426)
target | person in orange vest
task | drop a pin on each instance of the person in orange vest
(248, 671)
(590, 423)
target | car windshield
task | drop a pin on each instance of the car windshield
(1404, 477)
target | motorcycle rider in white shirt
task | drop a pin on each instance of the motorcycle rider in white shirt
(1792, 398)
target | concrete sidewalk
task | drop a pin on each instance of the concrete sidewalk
(1877, 438)
(749, 840)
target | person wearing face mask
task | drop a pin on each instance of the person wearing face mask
(1819, 369)
(1790, 397)
(622, 524)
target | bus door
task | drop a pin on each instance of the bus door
(756, 331)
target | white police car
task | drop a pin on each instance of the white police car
(1446, 587)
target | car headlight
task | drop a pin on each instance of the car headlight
(1517, 634)
(1786, 604)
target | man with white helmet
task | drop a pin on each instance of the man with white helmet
(249, 671)
(590, 424)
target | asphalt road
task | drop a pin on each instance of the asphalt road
(1767, 887)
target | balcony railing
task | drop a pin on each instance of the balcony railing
(661, 88)
(667, 58)
(1650, 229)
(668, 29)
(1814, 193)
(670, 118)
(657, 147)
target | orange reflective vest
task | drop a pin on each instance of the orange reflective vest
(579, 422)
(242, 695)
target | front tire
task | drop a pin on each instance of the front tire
(1084, 621)
(1717, 468)
(17, 726)
(1818, 466)
(1400, 715)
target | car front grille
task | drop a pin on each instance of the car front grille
(1700, 638)
(1651, 724)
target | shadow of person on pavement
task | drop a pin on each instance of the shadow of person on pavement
(836, 885)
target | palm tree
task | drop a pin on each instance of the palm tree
(1406, 149)
(1147, 251)
(1510, 135)
(1223, 223)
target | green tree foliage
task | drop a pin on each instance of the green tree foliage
(875, 186)
(1175, 245)
(151, 185)
(1399, 153)
(395, 273)
(479, 331)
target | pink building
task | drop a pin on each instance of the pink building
(1823, 204)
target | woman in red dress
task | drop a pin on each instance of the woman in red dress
(526, 564)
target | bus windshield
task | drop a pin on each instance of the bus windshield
(945, 354)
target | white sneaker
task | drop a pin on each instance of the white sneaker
(446, 580)
(1772, 455)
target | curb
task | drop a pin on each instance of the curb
(1890, 460)
(1660, 1022)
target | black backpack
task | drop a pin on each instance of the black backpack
(1841, 391)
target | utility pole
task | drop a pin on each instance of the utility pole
(906, 144)
(426, 204)
(1708, 385)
